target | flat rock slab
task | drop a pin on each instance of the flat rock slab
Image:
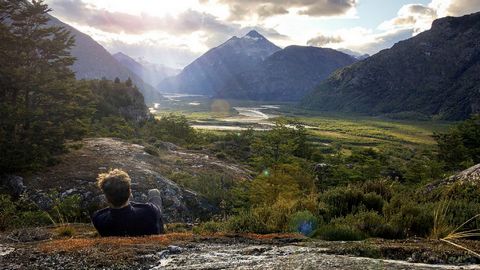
(225, 256)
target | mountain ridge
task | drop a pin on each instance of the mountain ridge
(150, 73)
(434, 74)
(209, 73)
(95, 62)
(288, 74)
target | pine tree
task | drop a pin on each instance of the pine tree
(129, 82)
(41, 103)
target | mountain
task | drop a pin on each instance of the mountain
(357, 55)
(288, 74)
(209, 73)
(95, 62)
(435, 74)
(150, 73)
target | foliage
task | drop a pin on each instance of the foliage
(41, 103)
(411, 218)
(303, 222)
(280, 145)
(333, 232)
(172, 128)
(460, 147)
(20, 213)
(67, 209)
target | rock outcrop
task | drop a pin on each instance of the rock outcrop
(470, 176)
(77, 171)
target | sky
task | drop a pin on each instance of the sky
(174, 33)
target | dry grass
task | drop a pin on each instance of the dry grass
(457, 234)
(79, 244)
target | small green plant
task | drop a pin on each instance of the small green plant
(339, 233)
(151, 150)
(210, 227)
(65, 231)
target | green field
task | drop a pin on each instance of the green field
(324, 129)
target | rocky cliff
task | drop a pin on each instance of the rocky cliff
(435, 73)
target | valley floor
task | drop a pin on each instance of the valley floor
(84, 250)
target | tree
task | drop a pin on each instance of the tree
(41, 103)
(117, 80)
(460, 147)
(129, 82)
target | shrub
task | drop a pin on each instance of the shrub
(151, 150)
(20, 213)
(67, 209)
(342, 201)
(210, 227)
(373, 201)
(371, 224)
(65, 231)
(246, 221)
(339, 233)
(303, 222)
(380, 187)
(410, 219)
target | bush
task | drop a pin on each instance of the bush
(210, 227)
(342, 201)
(371, 224)
(381, 187)
(151, 150)
(246, 221)
(339, 233)
(67, 209)
(65, 231)
(409, 218)
(373, 201)
(20, 213)
(303, 222)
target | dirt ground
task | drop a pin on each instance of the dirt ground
(81, 248)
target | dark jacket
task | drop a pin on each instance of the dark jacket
(135, 219)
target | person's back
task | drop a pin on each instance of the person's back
(135, 219)
(125, 218)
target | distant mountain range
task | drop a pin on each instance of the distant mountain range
(95, 62)
(252, 67)
(287, 75)
(435, 74)
(209, 73)
(150, 73)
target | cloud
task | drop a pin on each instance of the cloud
(243, 9)
(455, 7)
(414, 16)
(324, 40)
(176, 57)
(420, 17)
(119, 22)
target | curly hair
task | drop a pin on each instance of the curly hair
(115, 184)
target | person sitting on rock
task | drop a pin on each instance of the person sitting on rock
(123, 217)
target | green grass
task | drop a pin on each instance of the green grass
(325, 129)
